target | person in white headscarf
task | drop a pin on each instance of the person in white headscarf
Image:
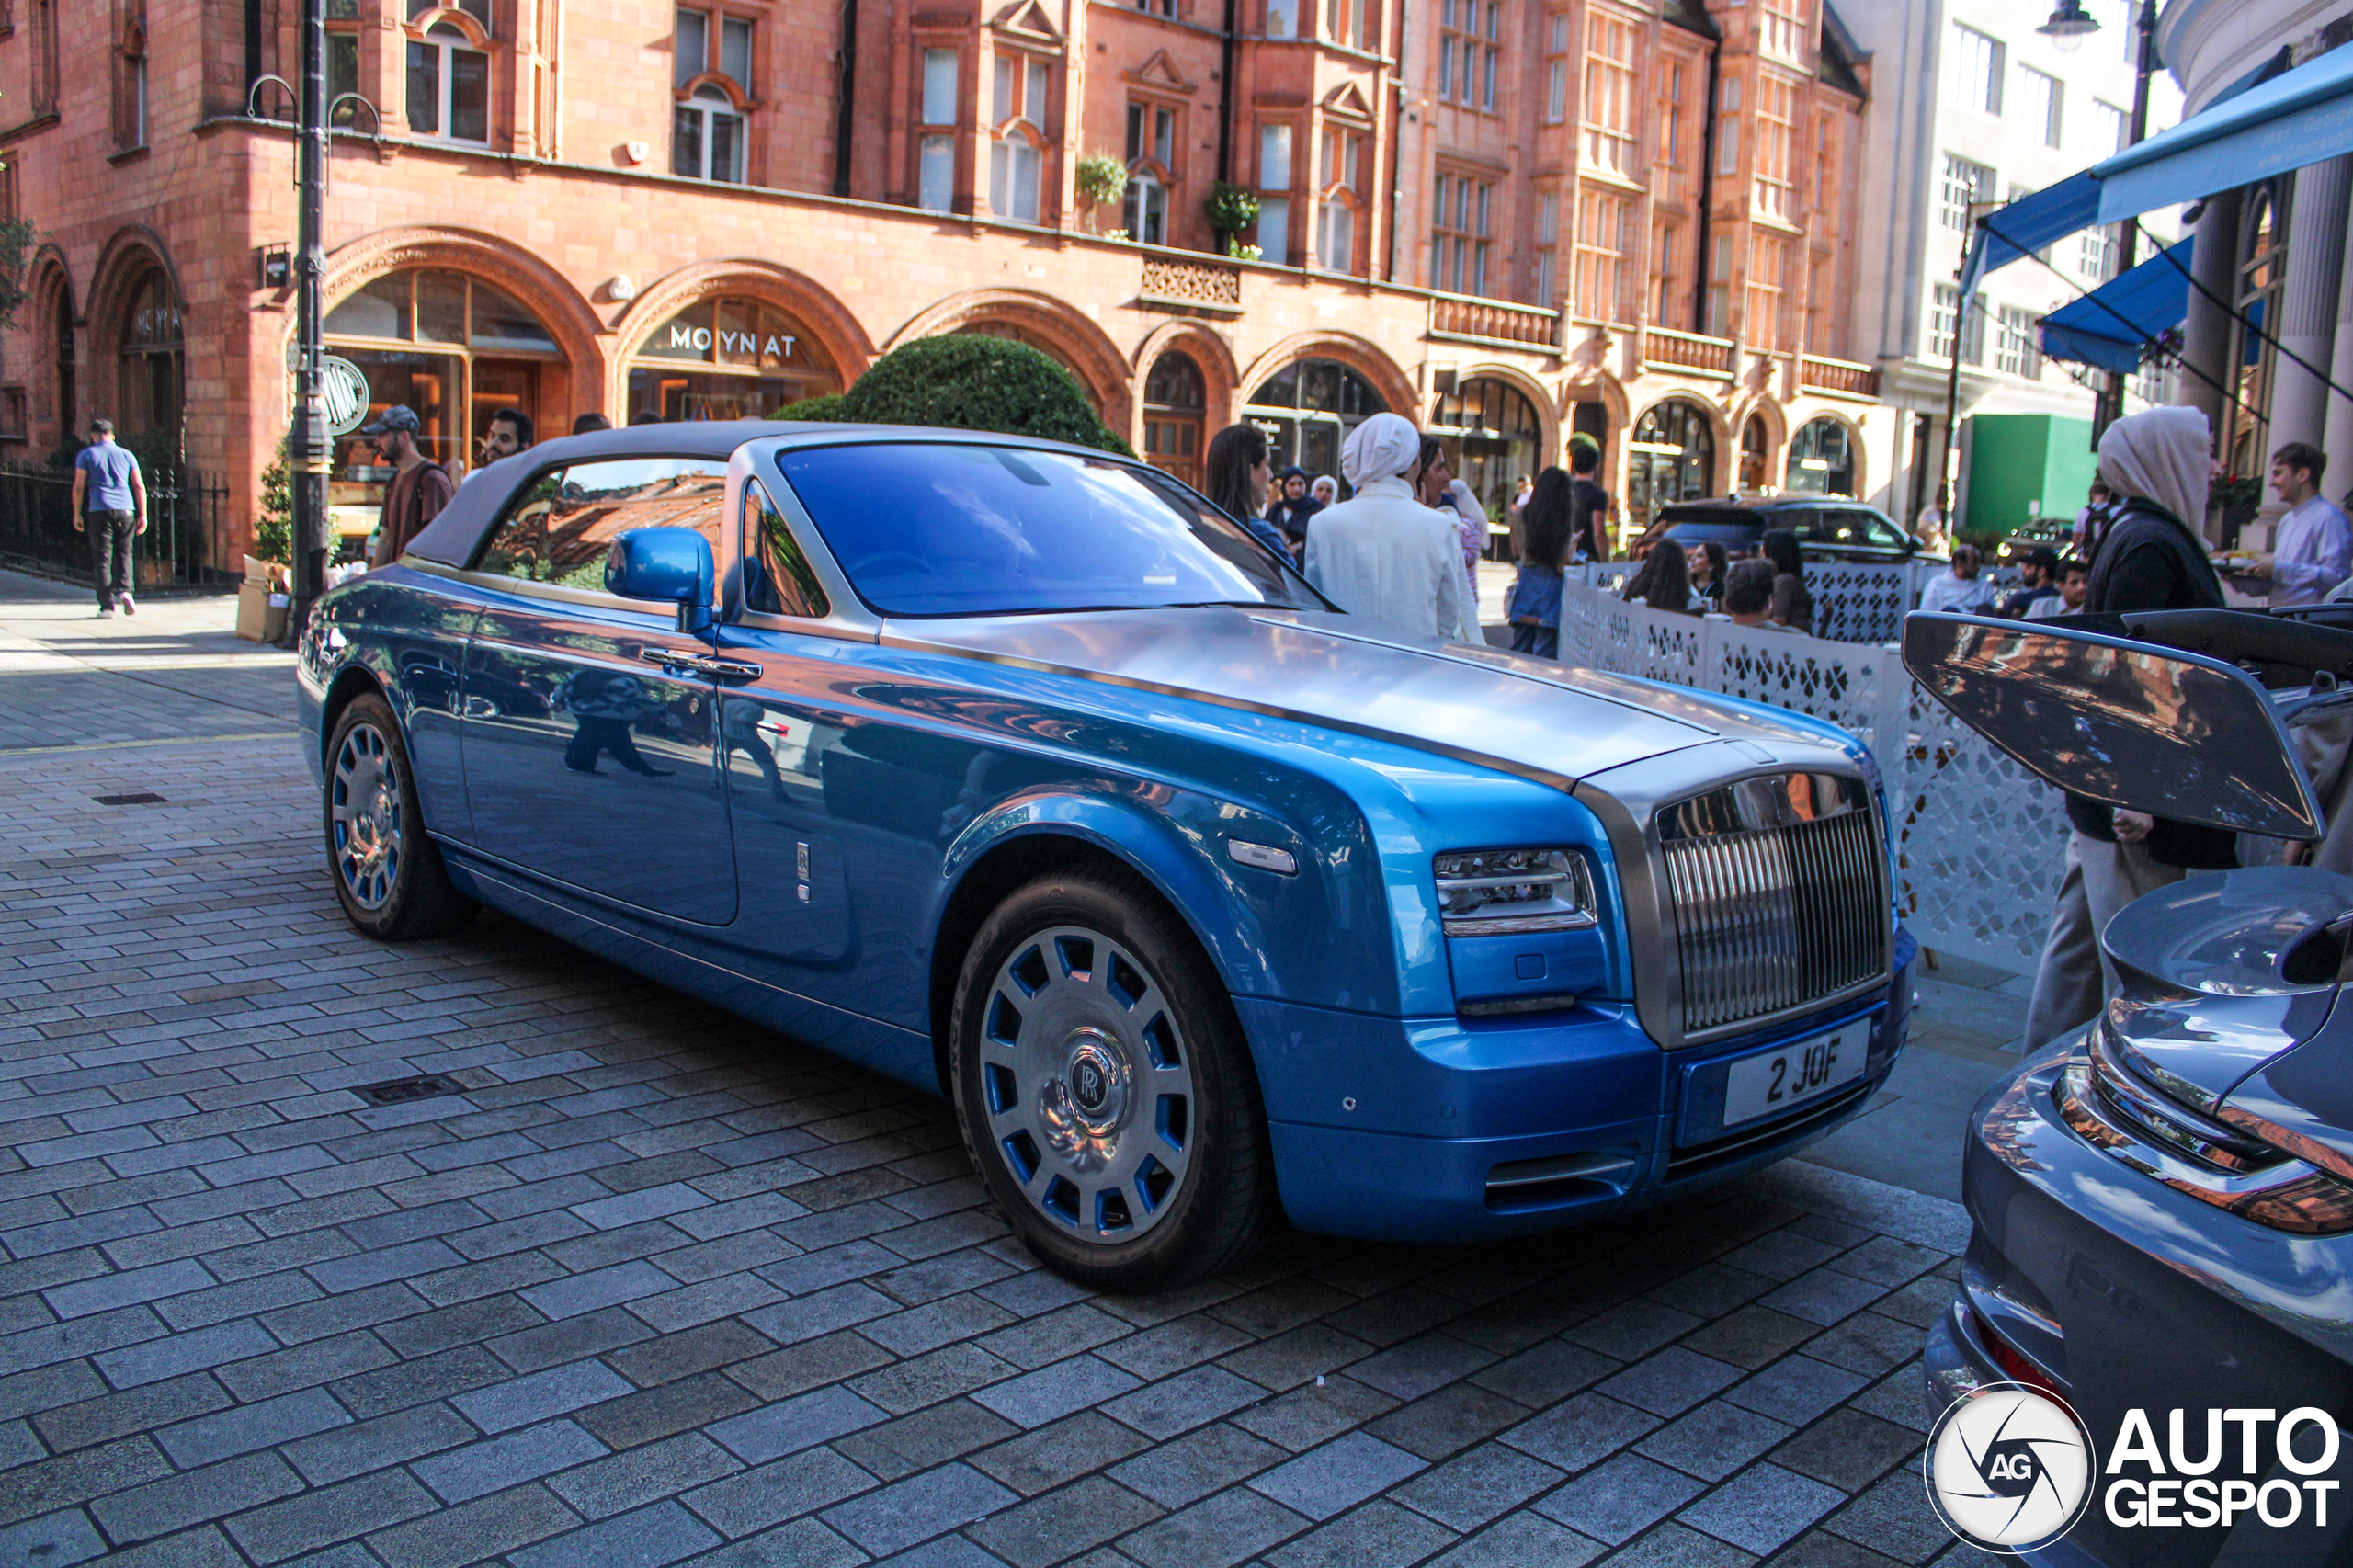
(1381, 555)
(2158, 465)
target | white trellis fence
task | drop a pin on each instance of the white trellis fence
(1979, 841)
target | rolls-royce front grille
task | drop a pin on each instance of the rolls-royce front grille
(1780, 895)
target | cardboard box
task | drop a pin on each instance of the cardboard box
(261, 612)
(268, 573)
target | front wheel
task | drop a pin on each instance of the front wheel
(388, 874)
(1104, 1088)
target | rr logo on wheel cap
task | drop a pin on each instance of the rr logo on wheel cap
(1088, 1087)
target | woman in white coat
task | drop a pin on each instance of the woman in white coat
(1381, 555)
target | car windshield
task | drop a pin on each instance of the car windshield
(948, 530)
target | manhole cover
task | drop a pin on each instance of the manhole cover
(399, 1091)
(142, 799)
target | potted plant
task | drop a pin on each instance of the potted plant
(1231, 208)
(1102, 181)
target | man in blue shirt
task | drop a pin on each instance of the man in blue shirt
(110, 498)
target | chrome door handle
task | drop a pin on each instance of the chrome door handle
(702, 664)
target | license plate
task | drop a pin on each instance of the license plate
(1791, 1075)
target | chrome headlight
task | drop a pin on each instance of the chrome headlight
(1491, 893)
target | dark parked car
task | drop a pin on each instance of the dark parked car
(2162, 1203)
(1827, 528)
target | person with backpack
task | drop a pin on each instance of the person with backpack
(418, 491)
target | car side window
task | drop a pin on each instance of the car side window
(1807, 526)
(777, 578)
(1874, 529)
(559, 527)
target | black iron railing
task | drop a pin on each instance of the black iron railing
(186, 544)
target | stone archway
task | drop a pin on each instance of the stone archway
(1209, 351)
(136, 368)
(1048, 324)
(54, 394)
(1361, 355)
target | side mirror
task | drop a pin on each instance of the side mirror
(2131, 724)
(672, 565)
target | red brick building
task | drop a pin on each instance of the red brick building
(1521, 217)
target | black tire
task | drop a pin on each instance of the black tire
(1129, 1224)
(387, 872)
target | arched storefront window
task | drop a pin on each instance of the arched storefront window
(1174, 408)
(1754, 440)
(152, 361)
(1499, 433)
(1308, 409)
(728, 357)
(1672, 458)
(1822, 458)
(452, 348)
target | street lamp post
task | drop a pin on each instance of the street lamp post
(2068, 27)
(308, 447)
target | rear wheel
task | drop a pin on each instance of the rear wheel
(388, 874)
(1104, 1088)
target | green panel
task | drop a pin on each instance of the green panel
(2024, 466)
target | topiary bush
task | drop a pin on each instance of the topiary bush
(824, 408)
(965, 382)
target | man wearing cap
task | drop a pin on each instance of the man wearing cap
(418, 491)
(110, 498)
(2038, 580)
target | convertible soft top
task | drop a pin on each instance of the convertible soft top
(452, 538)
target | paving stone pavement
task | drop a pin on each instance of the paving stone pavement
(655, 1286)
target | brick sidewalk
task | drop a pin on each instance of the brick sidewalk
(653, 1286)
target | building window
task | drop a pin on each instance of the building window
(1469, 38)
(1940, 320)
(1728, 128)
(2016, 353)
(1335, 220)
(1601, 252)
(1547, 239)
(1784, 29)
(1609, 106)
(1497, 437)
(936, 154)
(342, 65)
(1274, 199)
(1769, 260)
(152, 360)
(1666, 246)
(1307, 410)
(1016, 158)
(1977, 64)
(2046, 103)
(1152, 156)
(44, 63)
(1720, 286)
(1775, 185)
(730, 358)
(1282, 18)
(448, 86)
(1822, 459)
(1672, 458)
(1344, 22)
(2097, 260)
(1459, 236)
(2112, 129)
(455, 350)
(697, 51)
(130, 74)
(1175, 408)
(1157, 8)
(707, 137)
(1825, 162)
(1556, 69)
(1965, 184)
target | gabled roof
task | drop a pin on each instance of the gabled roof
(1692, 16)
(1840, 55)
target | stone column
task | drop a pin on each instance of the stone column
(2206, 339)
(2308, 315)
(2337, 430)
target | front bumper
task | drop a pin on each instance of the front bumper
(2131, 1296)
(1454, 1130)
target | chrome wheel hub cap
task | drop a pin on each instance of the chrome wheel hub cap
(1089, 1087)
(365, 816)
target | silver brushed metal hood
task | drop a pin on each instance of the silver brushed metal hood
(1532, 717)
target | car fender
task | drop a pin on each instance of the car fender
(1222, 909)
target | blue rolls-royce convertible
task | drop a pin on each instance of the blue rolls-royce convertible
(1018, 772)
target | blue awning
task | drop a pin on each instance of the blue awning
(2017, 230)
(2301, 117)
(2108, 326)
